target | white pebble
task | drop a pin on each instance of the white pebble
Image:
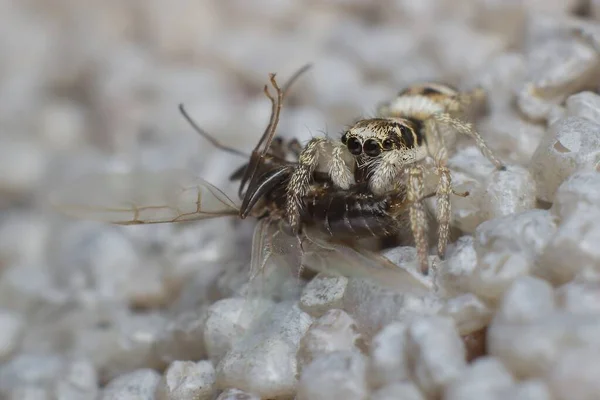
(137, 385)
(533, 389)
(469, 313)
(388, 362)
(579, 297)
(507, 192)
(28, 393)
(528, 299)
(374, 306)
(585, 105)
(480, 380)
(62, 124)
(570, 144)
(30, 370)
(182, 338)
(454, 274)
(79, 381)
(508, 248)
(22, 166)
(23, 238)
(334, 331)
(437, 352)
(236, 394)
(574, 376)
(512, 139)
(187, 380)
(11, 329)
(573, 248)
(221, 327)
(398, 391)
(322, 293)
(264, 362)
(580, 189)
(338, 375)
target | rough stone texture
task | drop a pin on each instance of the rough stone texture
(436, 352)
(323, 293)
(187, 380)
(269, 345)
(480, 380)
(508, 248)
(140, 384)
(336, 375)
(84, 304)
(570, 144)
(334, 331)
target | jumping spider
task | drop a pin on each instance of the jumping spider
(392, 147)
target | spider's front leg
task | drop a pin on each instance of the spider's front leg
(316, 151)
(418, 219)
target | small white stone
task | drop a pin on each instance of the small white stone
(437, 352)
(11, 329)
(30, 370)
(264, 362)
(556, 68)
(573, 248)
(187, 380)
(137, 385)
(221, 327)
(574, 376)
(334, 331)
(398, 391)
(454, 274)
(579, 297)
(585, 105)
(511, 138)
(22, 165)
(28, 393)
(236, 394)
(23, 238)
(338, 375)
(79, 381)
(499, 78)
(507, 192)
(62, 124)
(480, 380)
(508, 248)
(469, 313)
(526, 390)
(388, 362)
(374, 306)
(570, 144)
(322, 293)
(182, 338)
(580, 189)
(528, 299)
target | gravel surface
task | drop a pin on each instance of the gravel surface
(97, 311)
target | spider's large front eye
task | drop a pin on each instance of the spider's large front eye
(388, 144)
(354, 146)
(372, 148)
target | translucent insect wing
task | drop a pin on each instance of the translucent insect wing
(276, 260)
(142, 197)
(337, 259)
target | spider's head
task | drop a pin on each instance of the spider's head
(372, 137)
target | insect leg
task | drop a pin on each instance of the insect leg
(468, 130)
(418, 221)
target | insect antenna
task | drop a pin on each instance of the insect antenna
(207, 136)
(258, 154)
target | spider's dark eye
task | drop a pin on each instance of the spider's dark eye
(388, 144)
(345, 138)
(354, 146)
(372, 148)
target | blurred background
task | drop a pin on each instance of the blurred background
(94, 85)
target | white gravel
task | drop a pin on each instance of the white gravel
(92, 311)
